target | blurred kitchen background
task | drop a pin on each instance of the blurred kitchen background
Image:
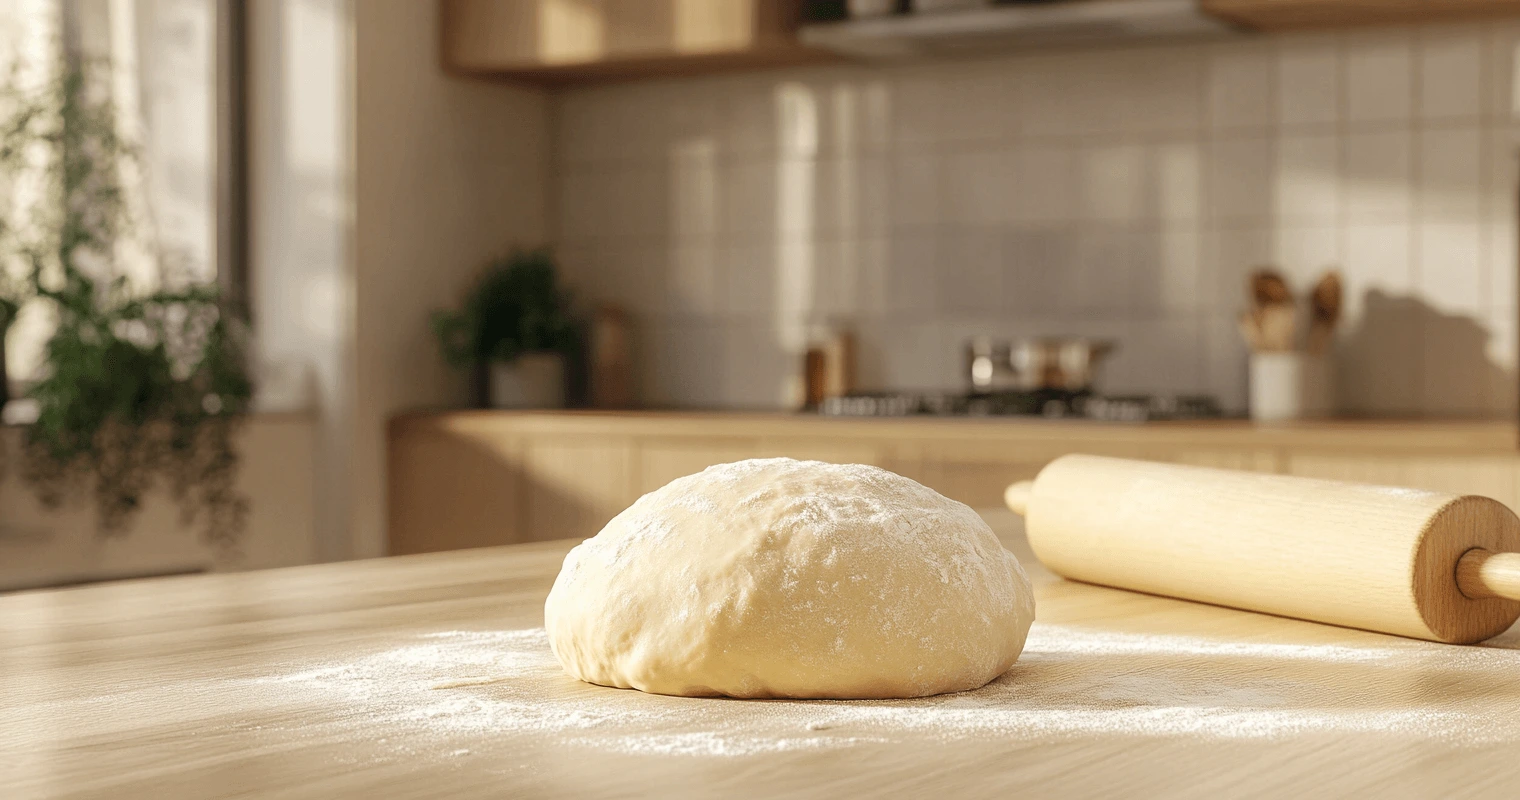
(1071, 208)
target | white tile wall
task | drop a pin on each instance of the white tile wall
(1121, 193)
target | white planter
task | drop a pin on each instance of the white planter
(871, 8)
(1289, 386)
(533, 380)
(936, 6)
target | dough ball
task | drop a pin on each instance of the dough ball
(782, 578)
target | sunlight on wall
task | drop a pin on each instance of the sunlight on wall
(844, 292)
(797, 121)
(313, 124)
(694, 218)
(300, 89)
(315, 136)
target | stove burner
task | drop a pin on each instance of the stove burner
(1049, 403)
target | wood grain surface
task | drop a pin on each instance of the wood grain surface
(429, 676)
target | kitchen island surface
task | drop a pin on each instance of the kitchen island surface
(430, 676)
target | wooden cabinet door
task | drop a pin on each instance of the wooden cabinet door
(662, 461)
(452, 489)
(575, 485)
(974, 473)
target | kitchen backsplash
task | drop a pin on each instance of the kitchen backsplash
(1121, 194)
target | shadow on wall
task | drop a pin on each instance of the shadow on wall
(1406, 358)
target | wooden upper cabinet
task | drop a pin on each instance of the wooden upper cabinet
(1273, 15)
(562, 41)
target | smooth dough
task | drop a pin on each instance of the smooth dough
(783, 578)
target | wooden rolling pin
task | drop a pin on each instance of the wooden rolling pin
(1403, 561)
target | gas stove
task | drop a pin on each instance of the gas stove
(1044, 403)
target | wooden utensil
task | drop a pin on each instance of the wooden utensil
(1324, 312)
(1413, 563)
(1269, 287)
(1273, 314)
(1279, 327)
(611, 358)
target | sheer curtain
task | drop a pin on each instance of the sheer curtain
(162, 59)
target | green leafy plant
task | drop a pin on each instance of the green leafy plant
(142, 383)
(516, 307)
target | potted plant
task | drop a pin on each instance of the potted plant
(515, 326)
(144, 380)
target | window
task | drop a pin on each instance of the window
(175, 77)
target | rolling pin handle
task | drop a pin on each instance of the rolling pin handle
(1017, 497)
(1484, 574)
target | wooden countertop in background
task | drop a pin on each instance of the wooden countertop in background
(475, 478)
(430, 676)
(1403, 436)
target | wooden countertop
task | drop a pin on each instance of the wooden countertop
(1393, 436)
(430, 676)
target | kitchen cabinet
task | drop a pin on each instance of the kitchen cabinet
(662, 461)
(569, 41)
(977, 472)
(1277, 15)
(575, 485)
(469, 479)
(454, 489)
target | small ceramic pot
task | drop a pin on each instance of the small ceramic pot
(532, 380)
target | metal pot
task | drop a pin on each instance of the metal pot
(1068, 364)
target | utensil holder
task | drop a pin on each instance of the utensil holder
(1289, 386)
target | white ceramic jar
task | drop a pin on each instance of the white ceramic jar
(532, 380)
(1287, 386)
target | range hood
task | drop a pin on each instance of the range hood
(1014, 26)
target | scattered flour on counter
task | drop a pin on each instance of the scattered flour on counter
(460, 689)
(711, 743)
